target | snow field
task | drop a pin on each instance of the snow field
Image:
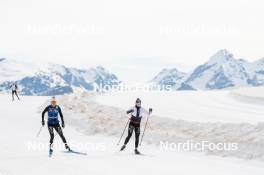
(20, 122)
(93, 118)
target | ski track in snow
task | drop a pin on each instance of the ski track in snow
(20, 122)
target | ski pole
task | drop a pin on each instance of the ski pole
(123, 132)
(150, 111)
(39, 131)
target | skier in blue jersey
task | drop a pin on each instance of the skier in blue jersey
(53, 122)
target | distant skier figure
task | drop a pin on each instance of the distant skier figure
(137, 112)
(14, 89)
(53, 122)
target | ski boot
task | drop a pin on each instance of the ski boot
(123, 147)
(67, 147)
(50, 150)
(137, 152)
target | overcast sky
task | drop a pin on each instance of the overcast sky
(130, 37)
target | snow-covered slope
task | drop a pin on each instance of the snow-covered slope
(254, 92)
(216, 117)
(51, 79)
(193, 106)
(254, 95)
(17, 157)
(220, 72)
(24, 154)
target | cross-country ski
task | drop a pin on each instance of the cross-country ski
(76, 152)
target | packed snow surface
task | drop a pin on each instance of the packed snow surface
(20, 122)
(200, 106)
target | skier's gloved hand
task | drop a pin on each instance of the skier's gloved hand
(150, 110)
(62, 124)
(43, 123)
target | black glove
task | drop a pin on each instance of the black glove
(43, 123)
(62, 125)
(150, 110)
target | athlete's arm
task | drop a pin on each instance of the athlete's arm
(130, 111)
(43, 113)
(144, 111)
(61, 115)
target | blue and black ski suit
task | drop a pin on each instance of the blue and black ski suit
(53, 121)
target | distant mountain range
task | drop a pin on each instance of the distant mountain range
(221, 71)
(51, 79)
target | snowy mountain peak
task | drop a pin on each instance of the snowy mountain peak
(52, 79)
(173, 70)
(221, 57)
(172, 77)
(100, 68)
(221, 71)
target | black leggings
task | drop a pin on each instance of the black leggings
(131, 128)
(58, 130)
(13, 94)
